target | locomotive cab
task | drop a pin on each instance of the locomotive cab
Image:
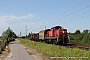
(57, 35)
(61, 35)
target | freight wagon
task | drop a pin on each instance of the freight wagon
(34, 37)
(42, 34)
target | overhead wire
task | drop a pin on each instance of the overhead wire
(70, 13)
(80, 14)
(76, 19)
(87, 6)
(73, 13)
(76, 16)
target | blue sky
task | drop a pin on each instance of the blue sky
(36, 14)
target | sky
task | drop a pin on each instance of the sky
(38, 14)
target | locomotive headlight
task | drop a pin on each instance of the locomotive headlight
(63, 31)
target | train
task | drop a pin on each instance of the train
(55, 35)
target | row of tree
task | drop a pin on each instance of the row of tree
(80, 37)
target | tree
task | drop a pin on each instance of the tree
(77, 31)
(86, 39)
(8, 35)
(29, 35)
(85, 31)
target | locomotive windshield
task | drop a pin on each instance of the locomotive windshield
(63, 30)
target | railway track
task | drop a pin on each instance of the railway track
(83, 47)
(70, 45)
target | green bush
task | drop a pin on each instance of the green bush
(2, 45)
(80, 38)
(86, 39)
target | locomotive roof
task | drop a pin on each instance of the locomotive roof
(56, 27)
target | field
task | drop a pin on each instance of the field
(57, 52)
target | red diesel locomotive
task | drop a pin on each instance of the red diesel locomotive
(55, 35)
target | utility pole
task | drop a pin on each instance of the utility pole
(45, 27)
(20, 34)
(26, 31)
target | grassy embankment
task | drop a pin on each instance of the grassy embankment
(57, 51)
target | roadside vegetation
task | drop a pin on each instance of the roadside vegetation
(80, 37)
(6, 37)
(57, 51)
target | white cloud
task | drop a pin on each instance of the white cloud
(4, 19)
(12, 17)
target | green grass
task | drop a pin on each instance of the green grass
(0, 38)
(57, 51)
